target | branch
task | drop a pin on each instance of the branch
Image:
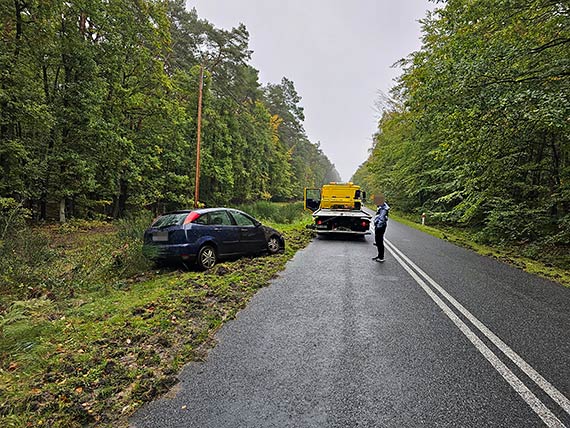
(551, 44)
(535, 76)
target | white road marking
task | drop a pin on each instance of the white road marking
(546, 386)
(527, 395)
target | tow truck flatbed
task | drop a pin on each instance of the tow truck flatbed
(337, 208)
(335, 221)
(341, 213)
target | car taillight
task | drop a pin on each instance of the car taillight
(364, 224)
(319, 222)
(191, 217)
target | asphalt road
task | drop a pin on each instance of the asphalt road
(436, 336)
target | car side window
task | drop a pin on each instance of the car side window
(203, 219)
(220, 218)
(242, 220)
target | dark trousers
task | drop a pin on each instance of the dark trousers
(379, 238)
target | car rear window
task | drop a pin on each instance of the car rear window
(167, 220)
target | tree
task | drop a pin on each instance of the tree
(98, 106)
(482, 128)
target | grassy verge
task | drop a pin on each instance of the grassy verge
(512, 255)
(95, 356)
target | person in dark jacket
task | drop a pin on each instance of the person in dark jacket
(380, 223)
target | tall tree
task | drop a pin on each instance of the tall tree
(98, 106)
(483, 133)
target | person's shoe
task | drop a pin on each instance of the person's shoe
(380, 260)
(375, 258)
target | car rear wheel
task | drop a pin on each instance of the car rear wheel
(206, 257)
(273, 245)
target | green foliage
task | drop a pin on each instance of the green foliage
(128, 259)
(78, 256)
(476, 133)
(23, 253)
(93, 359)
(13, 219)
(133, 225)
(98, 112)
(285, 213)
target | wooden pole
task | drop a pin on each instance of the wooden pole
(198, 138)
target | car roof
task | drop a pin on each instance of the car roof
(200, 210)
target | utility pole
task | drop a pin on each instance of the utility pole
(198, 137)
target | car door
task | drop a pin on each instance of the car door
(312, 199)
(252, 237)
(226, 234)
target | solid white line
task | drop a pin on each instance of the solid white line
(546, 386)
(539, 408)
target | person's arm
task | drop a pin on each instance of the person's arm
(380, 219)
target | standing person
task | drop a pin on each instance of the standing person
(380, 223)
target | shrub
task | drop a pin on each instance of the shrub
(128, 259)
(133, 225)
(24, 252)
(284, 213)
(511, 222)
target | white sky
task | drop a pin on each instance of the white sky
(338, 53)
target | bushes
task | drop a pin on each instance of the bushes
(128, 260)
(24, 252)
(284, 213)
(509, 222)
(58, 261)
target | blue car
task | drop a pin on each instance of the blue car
(206, 235)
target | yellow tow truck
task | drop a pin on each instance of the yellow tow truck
(337, 209)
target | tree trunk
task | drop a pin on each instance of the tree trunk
(120, 200)
(19, 27)
(62, 210)
(43, 206)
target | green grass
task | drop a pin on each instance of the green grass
(91, 358)
(553, 269)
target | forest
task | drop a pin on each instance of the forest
(98, 113)
(476, 132)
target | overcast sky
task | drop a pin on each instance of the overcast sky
(338, 53)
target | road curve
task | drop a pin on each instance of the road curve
(436, 336)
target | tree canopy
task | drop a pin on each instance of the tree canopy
(98, 107)
(477, 130)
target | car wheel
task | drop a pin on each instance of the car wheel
(273, 245)
(206, 257)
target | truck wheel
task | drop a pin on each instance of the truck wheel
(206, 257)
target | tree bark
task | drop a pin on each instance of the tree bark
(121, 199)
(62, 210)
(19, 26)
